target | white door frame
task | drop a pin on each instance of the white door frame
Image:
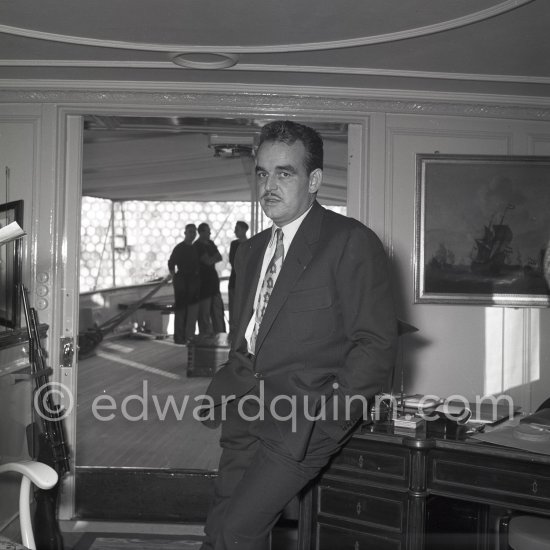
(70, 142)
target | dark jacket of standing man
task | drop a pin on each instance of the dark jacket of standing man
(240, 232)
(183, 265)
(211, 318)
(328, 333)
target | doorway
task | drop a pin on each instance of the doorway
(160, 165)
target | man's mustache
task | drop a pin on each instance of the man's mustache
(270, 194)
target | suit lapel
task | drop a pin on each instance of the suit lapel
(296, 261)
(251, 277)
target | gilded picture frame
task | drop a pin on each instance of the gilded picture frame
(482, 227)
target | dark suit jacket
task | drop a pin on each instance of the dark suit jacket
(329, 330)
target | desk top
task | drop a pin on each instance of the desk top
(449, 436)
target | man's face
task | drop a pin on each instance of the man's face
(284, 186)
(204, 234)
(239, 232)
(190, 233)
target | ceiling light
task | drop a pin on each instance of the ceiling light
(231, 146)
(192, 60)
(232, 151)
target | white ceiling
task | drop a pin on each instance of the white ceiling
(421, 46)
(129, 158)
(494, 46)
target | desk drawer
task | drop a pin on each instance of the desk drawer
(491, 479)
(380, 508)
(330, 537)
(378, 462)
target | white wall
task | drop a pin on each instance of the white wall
(18, 135)
(459, 349)
(15, 404)
(467, 350)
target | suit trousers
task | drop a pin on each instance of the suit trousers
(185, 321)
(205, 320)
(217, 314)
(257, 478)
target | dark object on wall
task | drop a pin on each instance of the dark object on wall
(482, 230)
(10, 268)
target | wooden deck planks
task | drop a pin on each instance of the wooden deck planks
(144, 384)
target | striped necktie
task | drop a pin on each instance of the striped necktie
(271, 274)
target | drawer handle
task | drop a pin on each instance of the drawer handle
(358, 508)
(360, 461)
(534, 487)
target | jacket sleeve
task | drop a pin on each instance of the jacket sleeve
(172, 261)
(365, 296)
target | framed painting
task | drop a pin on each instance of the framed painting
(482, 228)
(10, 268)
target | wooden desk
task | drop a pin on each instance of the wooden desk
(380, 491)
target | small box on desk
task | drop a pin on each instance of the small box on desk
(409, 422)
(204, 359)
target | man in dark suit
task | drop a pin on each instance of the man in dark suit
(211, 319)
(315, 336)
(183, 265)
(240, 232)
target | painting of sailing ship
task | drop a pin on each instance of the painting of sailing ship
(482, 230)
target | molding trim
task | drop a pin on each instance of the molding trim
(497, 9)
(102, 97)
(402, 73)
(229, 62)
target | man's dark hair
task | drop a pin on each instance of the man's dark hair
(203, 227)
(189, 225)
(288, 132)
(242, 225)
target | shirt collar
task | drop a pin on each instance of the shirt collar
(289, 230)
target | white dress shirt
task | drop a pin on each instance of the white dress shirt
(289, 231)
